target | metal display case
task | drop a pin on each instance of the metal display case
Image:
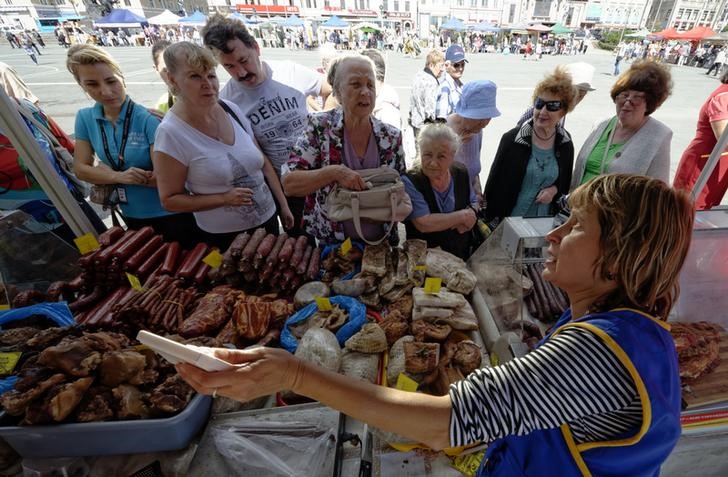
(31, 256)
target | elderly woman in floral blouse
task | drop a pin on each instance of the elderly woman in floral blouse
(336, 144)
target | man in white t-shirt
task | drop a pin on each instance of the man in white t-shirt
(271, 94)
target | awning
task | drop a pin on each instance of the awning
(120, 18)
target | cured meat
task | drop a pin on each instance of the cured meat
(370, 339)
(698, 348)
(374, 261)
(251, 319)
(421, 358)
(362, 366)
(442, 299)
(319, 346)
(212, 311)
(451, 269)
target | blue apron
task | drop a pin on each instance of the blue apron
(644, 345)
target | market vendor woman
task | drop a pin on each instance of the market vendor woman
(601, 393)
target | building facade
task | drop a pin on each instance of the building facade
(686, 14)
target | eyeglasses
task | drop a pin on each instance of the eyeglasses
(552, 106)
(635, 98)
(459, 65)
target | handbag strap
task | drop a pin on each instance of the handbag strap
(357, 218)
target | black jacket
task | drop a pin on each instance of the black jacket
(449, 240)
(509, 168)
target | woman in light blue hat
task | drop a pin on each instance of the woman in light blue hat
(532, 167)
(472, 114)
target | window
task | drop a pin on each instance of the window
(512, 13)
(396, 5)
(680, 12)
(127, 3)
(385, 5)
(407, 6)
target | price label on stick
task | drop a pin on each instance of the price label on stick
(405, 383)
(420, 268)
(134, 282)
(86, 243)
(4, 306)
(433, 284)
(345, 247)
(323, 303)
(213, 259)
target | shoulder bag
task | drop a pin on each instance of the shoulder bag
(384, 200)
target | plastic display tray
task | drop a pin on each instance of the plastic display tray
(111, 438)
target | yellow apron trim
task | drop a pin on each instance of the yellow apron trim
(641, 390)
(574, 450)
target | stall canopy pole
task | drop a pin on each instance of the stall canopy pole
(710, 165)
(14, 127)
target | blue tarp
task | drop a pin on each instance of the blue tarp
(453, 24)
(196, 18)
(486, 27)
(121, 16)
(335, 22)
(292, 21)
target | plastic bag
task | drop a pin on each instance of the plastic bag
(357, 317)
(275, 449)
(58, 312)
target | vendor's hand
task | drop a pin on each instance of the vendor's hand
(467, 220)
(132, 176)
(239, 196)
(350, 179)
(258, 372)
(546, 196)
(286, 217)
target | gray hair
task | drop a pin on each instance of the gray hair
(438, 133)
(379, 63)
(340, 64)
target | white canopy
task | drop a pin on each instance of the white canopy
(164, 18)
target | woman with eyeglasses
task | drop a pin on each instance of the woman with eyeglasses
(532, 167)
(632, 141)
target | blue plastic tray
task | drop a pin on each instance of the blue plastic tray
(110, 438)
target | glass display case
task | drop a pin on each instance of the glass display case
(31, 256)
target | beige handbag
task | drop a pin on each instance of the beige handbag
(385, 200)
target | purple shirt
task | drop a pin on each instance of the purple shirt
(370, 160)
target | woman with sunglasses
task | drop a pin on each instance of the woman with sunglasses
(632, 141)
(532, 167)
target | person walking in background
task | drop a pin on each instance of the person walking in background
(12, 39)
(386, 108)
(717, 63)
(621, 51)
(712, 120)
(28, 47)
(424, 93)
(451, 87)
(38, 38)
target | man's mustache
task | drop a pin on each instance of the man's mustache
(246, 77)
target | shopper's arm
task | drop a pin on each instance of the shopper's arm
(263, 371)
(274, 183)
(459, 219)
(84, 168)
(171, 178)
(302, 183)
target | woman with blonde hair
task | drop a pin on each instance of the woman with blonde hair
(631, 141)
(532, 167)
(600, 394)
(208, 160)
(121, 134)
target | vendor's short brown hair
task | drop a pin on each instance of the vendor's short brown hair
(558, 83)
(219, 30)
(646, 228)
(649, 77)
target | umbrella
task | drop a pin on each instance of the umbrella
(537, 27)
(366, 27)
(697, 33)
(643, 33)
(292, 21)
(668, 34)
(164, 18)
(486, 27)
(453, 24)
(560, 29)
(119, 18)
(196, 19)
(335, 22)
(253, 20)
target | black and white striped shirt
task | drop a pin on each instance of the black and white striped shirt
(573, 378)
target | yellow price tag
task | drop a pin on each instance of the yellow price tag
(87, 243)
(140, 347)
(8, 361)
(213, 259)
(433, 284)
(469, 464)
(323, 303)
(420, 268)
(4, 306)
(405, 383)
(346, 246)
(494, 361)
(134, 282)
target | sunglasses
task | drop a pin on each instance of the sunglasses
(552, 106)
(459, 65)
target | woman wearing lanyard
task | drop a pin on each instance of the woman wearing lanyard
(630, 142)
(121, 133)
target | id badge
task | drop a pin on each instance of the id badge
(122, 195)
